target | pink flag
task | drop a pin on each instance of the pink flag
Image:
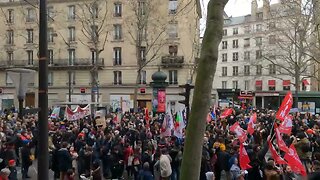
(226, 113)
(275, 155)
(285, 107)
(241, 134)
(286, 125)
(244, 159)
(282, 145)
(253, 119)
(294, 162)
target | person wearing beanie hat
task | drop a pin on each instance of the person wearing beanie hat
(12, 167)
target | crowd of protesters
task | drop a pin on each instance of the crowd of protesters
(134, 148)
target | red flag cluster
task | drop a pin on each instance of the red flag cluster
(252, 121)
(285, 107)
(241, 133)
(226, 113)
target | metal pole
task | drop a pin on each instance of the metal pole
(43, 156)
(69, 86)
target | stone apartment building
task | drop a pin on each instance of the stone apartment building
(101, 34)
(245, 72)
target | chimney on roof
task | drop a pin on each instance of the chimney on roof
(254, 9)
(266, 9)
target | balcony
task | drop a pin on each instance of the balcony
(56, 64)
(172, 61)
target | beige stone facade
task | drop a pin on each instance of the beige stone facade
(77, 29)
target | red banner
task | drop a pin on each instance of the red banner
(161, 101)
(285, 107)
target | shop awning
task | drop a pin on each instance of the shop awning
(245, 97)
(286, 82)
(258, 83)
(305, 82)
(271, 83)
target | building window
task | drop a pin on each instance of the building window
(225, 32)
(117, 77)
(9, 81)
(272, 39)
(95, 10)
(143, 77)
(10, 18)
(224, 57)
(235, 70)
(235, 56)
(50, 13)
(286, 85)
(224, 71)
(224, 44)
(30, 57)
(50, 56)
(234, 84)
(272, 25)
(173, 77)
(10, 37)
(259, 27)
(224, 84)
(258, 54)
(272, 69)
(235, 43)
(235, 31)
(117, 60)
(50, 78)
(29, 35)
(259, 69)
(117, 32)
(72, 56)
(10, 57)
(72, 12)
(260, 16)
(173, 6)
(246, 42)
(258, 41)
(247, 70)
(143, 54)
(117, 9)
(31, 15)
(94, 33)
(141, 8)
(247, 55)
(72, 33)
(272, 85)
(258, 85)
(247, 29)
(173, 30)
(173, 50)
(246, 85)
(50, 35)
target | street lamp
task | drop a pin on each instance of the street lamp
(21, 78)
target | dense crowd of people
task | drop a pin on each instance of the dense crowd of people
(134, 147)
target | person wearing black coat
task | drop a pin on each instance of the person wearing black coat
(64, 160)
(26, 161)
(55, 163)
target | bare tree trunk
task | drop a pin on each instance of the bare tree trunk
(192, 154)
(136, 88)
(297, 85)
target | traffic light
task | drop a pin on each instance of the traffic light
(186, 95)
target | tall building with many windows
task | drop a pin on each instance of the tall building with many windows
(258, 52)
(101, 46)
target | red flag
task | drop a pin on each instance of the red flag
(286, 125)
(242, 135)
(244, 158)
(282, 145)
(294, 161)
(285, 107)
(275, 155)
(147, 118)
(253, 119)
(226, 113)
